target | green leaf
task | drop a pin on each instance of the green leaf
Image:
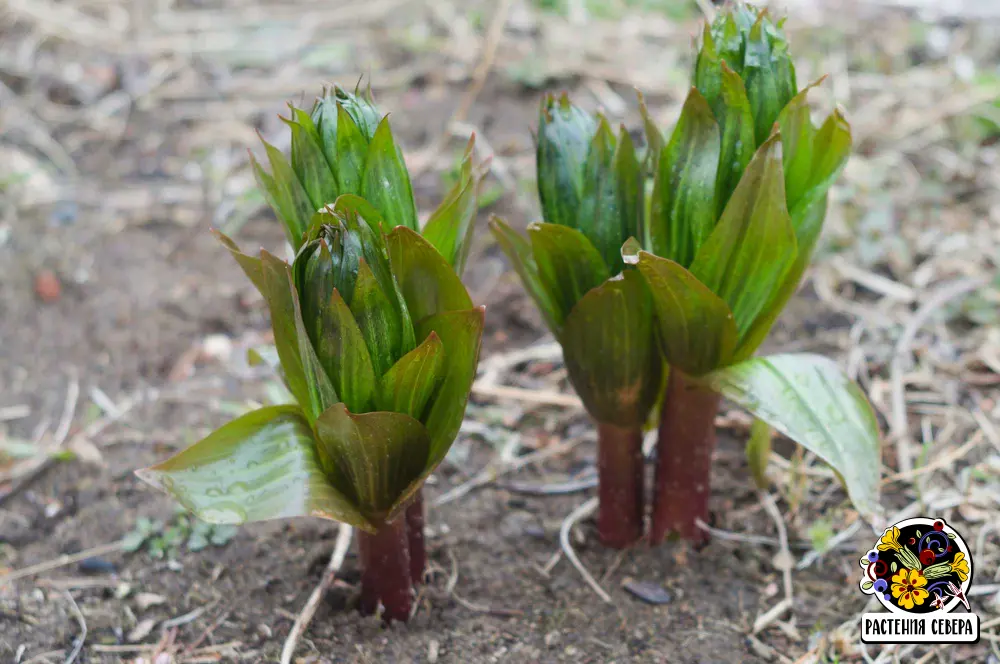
(345, 355)
(518, 251)
(610, 348)
(352, 151)
(408, 386)
(682, 214)
(386, 182)
(428, 283)
(258, 467)
(797, 138)
(867, 585)
(290, 200)
(309, 162)
(749, 253)
(449, 228)
(697, 331)
(306, 379)
(377, 320)
(808, 399)
(708, 72)
(378, 454)
(764, 90)
(831, 147)
(600, 215)
(251, 266)
(461, 334)
(654, 141)
(736, 121)
(630, 185)
(568, 264)
(759, 452)
(324, 116)
(564, 135)
(762, 324)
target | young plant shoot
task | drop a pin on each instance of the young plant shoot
(344, 145)
(598, 308)
(377, 341)
(738, 202)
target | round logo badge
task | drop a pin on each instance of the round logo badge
(918, 566)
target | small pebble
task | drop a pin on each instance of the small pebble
(432, 651)
(552, 638)
(96, 566)
(47, 286)
(648, 592)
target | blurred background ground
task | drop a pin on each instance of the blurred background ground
(124, 128)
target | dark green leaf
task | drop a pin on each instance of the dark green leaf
(258, 467)
(697, 330)
(736, 122)
(600, 217)
(763, 87)
(324, 117)
(379, 455)
(564, 135)
(352, 151)
(386, 182)
(631, 188)
(449, 228)
(682, 213)
(749, 253)
(654, 140)
(309, 162)
(568, 264)
(518, 251)
(610, 348)
(291, 202)
(292, 340)
(408, 386)
(708, 72)
(759, 452)
(461, 333)
(808, 399)
(377, 320)
(428, 283)
(345, 355)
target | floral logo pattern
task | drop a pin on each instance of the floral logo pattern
(919, 565)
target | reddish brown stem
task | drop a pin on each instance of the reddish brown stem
(415, 533)
(620, 478)
(386, 573)
(684, 460)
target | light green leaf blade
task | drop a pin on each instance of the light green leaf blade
(409, 385)
(697, 330)
(461, 333)
(518, 251)
(386, 182)
(745, 259)
(449, 228)
(682, 211)
(810, 400)
(611, 353)
(260, 466)
(429, 285)
(352, 151)
(736, 123)
(568, 264)
(378, 454)
(291, 201)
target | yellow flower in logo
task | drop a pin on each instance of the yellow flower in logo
(890, 540)
(908, 588)
(960, 566)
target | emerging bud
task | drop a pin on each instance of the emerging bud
(588, 179)
(346, 258)
(750, 44)
(343, 146)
